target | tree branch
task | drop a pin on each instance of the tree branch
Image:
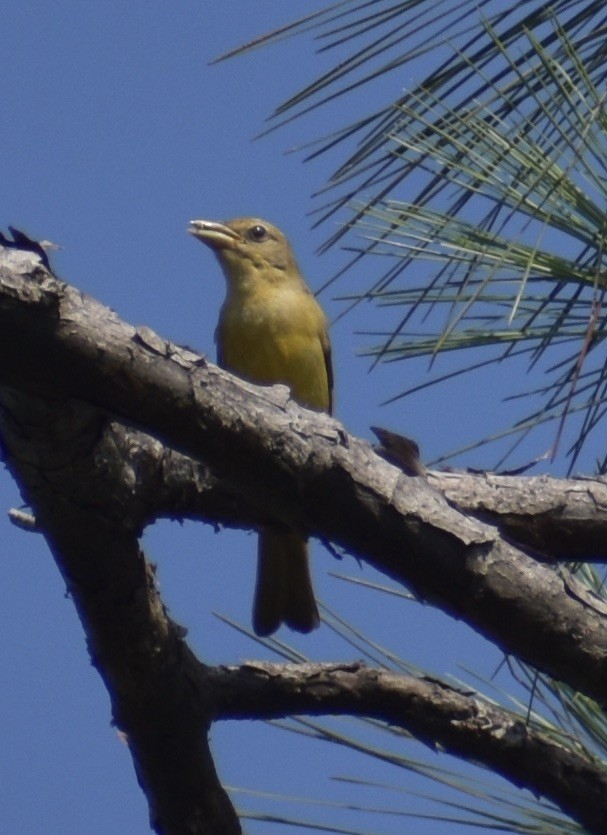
(94, 483)
(561, 519)
(443, 717)
(305, 470)
(58, 453)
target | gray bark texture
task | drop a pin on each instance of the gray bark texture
(107, 427)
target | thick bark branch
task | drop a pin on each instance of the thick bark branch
(93, 484)
(459, 723)
(66, 471)
(561, 519)
(306, 471)
(70, 463)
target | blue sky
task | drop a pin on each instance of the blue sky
(116, 132)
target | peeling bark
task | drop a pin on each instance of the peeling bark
(107, 427)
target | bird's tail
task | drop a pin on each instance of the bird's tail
(283, 591)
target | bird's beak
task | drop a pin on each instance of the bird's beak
(214, 234)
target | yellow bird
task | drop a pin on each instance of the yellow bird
(272, 330)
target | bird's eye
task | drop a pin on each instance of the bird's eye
(258, 233)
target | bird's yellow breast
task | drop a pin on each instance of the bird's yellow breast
(275, 335)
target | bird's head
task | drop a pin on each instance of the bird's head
(246, 246)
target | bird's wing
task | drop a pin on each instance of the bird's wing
(326, 349)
